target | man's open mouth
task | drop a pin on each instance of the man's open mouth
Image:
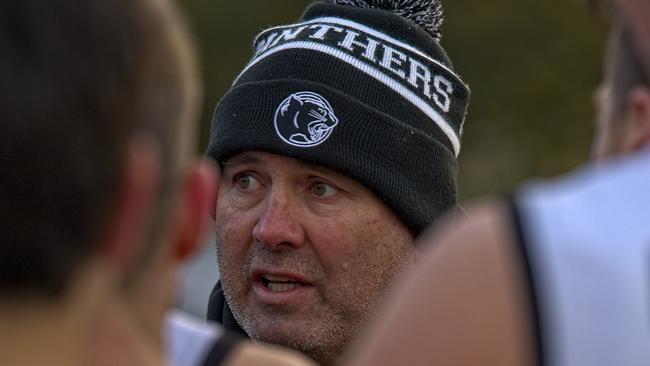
(280, 283)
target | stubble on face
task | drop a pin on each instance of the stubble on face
(347, 293)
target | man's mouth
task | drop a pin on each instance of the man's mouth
(280, 283)
(282, 287)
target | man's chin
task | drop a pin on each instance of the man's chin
(278, 332)
(306, 344)
(293, 334)
(305, 328)
(322, 346)
(319, 340)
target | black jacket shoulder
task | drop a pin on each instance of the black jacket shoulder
(219, 311)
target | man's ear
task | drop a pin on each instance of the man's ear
(131, 211)
(198, 197)
(638, 116)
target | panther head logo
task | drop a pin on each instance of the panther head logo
(304, 119)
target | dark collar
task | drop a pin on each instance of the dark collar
(219, 311)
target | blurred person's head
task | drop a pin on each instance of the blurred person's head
(338, 145)
(98, 189)
(623, 98)
(636, 14)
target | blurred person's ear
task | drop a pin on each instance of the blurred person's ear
(213, 203)
(130, 215)
(638, 119)
(198, 196)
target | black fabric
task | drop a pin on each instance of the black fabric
(400, 28)
(519, 230)
(413, 173)
(313, 65)
(382, 131)
(304, 73)
(219, 311)
(222, 348)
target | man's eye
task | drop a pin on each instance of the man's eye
(323, 190)
(246, 182)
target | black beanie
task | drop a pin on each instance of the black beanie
(360, 90)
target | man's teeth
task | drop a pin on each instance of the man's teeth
(280, 283)
(277, 287)
(269, 277)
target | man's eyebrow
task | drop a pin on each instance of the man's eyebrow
(240, 160)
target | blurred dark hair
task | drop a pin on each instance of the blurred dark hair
(623, 62)
(624, 66)
(78, 79)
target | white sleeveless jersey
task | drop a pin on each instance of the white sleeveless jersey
(587, 243)
(189, 339)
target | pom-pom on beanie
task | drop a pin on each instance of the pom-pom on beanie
(362, 87)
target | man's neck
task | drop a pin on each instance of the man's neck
(53, 334)
(39, 333)
(121, 340)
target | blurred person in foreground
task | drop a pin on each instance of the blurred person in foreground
(100, 197)
(337, 145)
(637, 12)
(560, 274)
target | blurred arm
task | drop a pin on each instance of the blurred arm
(465, 305)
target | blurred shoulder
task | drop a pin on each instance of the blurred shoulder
(484, 224)
(465, 304)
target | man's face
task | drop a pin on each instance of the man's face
(304, 252)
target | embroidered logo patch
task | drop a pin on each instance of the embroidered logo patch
(304, 119)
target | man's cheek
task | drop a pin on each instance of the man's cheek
(229, 259)
(334, 242)
(230, 230)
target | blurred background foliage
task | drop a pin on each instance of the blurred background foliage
(532, 66)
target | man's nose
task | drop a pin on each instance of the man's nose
(279, 223)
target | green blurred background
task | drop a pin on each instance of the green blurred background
(532, 67)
